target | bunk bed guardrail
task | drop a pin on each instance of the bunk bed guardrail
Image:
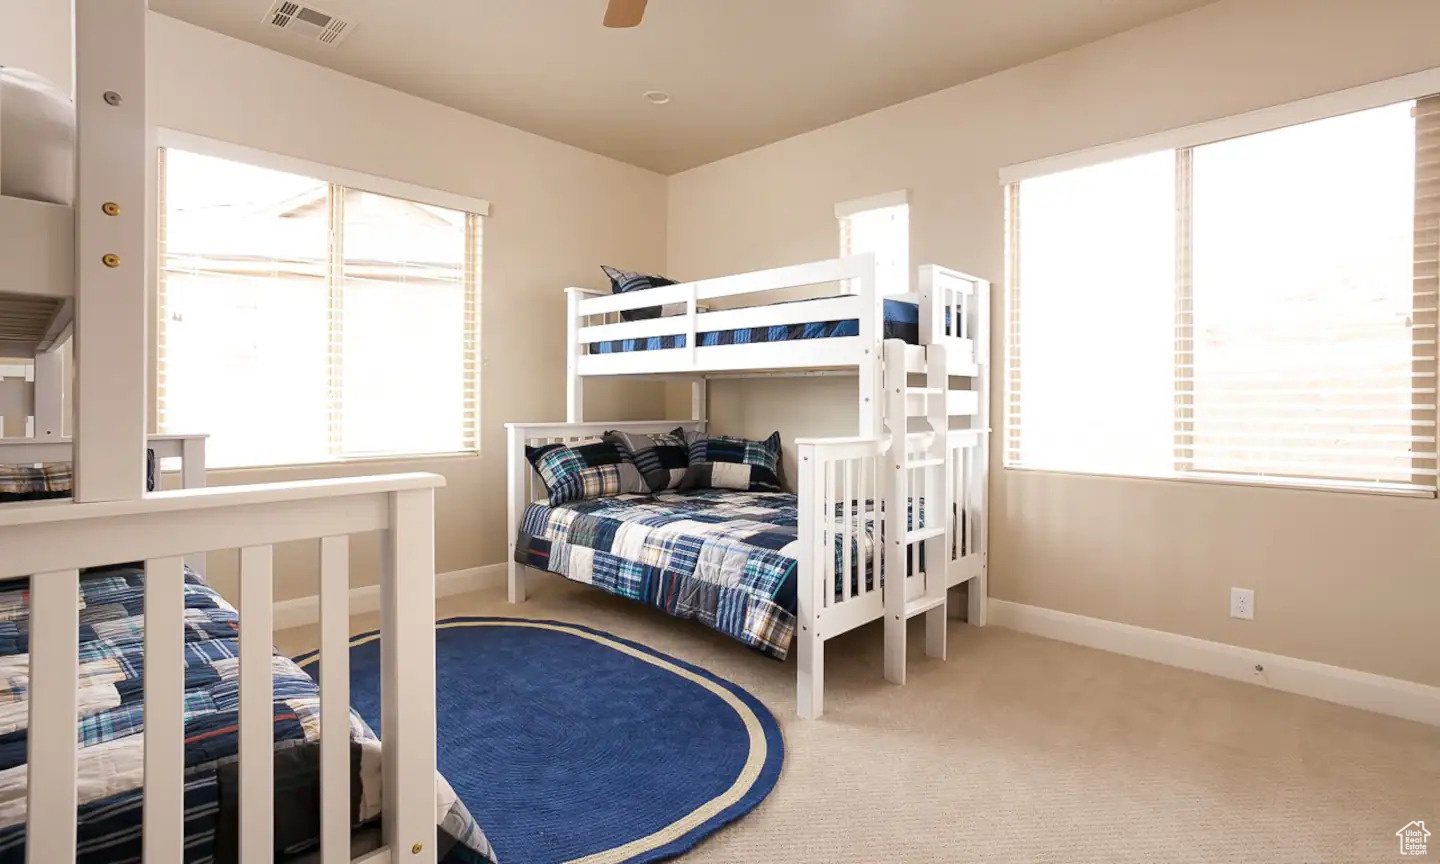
(861, 301)
(51, 544)
(949, 305)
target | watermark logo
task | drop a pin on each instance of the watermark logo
(1412, 838)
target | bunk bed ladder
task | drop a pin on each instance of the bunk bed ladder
(917, 503)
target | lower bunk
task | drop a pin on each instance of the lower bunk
(110, 721)
(726, 559)
(781, 573)
(723, 558)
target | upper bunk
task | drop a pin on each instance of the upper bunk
(753, 323)
(37, 219)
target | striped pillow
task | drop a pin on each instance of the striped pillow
(584, 470)
(625, 281)
(660, 457)
(724, 462)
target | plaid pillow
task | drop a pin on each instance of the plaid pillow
(584, 470)
(724, 462)
(625, 281)
(660, 457)
(34, 483)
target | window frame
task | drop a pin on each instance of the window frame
(477, 208)
(1182, 140)
(846, 209)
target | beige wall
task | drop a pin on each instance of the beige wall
(557, 214)
(1346, 579)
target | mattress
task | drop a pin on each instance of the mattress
(723, 558)
(37, 138)
(901, 321)
(111, 743)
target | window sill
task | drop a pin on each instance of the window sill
(341, 463)
(1395, 490)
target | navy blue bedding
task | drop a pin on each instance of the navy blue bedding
(901, 321)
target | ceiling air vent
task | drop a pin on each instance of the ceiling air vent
(307, 21)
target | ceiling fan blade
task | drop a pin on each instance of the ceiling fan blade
(624, 13)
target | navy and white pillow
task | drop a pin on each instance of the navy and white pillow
(584, 470)
(661, 458)
(725, 462)
(625, 281)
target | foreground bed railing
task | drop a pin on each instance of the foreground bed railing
(52, 541)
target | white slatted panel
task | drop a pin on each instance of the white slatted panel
(335, 811)
(164, 808)
(50, 804)
(257, 700)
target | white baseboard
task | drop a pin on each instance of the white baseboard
(1396, 697)
(306, 610)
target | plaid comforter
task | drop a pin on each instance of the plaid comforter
(723, 558)
(111, 719)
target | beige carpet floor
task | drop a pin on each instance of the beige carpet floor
(1019, 749)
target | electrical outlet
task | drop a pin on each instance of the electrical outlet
(1242, 603)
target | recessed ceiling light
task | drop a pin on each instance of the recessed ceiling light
(657, 97)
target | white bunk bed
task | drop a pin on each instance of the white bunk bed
(80, 268)
(922, 435)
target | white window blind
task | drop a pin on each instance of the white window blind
(304, 321)
(880, 225)
(1261, 308)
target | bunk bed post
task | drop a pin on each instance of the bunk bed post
(49, 393)
(896, 513)
(699, 404)
(192, 476)
(978, 591)
(517, 473)
(110, 280)
(871, 333)
(407, 677)
(574, 384)
(809, 599)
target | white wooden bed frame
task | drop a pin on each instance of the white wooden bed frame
(93, 258)
(928, 440)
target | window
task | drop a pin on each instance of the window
(1259, 308)
(309, 321)
(881, 225)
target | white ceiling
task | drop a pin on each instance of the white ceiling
(741, 73)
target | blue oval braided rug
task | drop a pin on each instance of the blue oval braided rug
(570, 743)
